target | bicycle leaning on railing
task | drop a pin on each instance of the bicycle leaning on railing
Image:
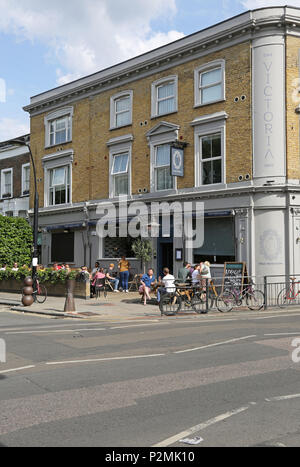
(289, 293)
(253, 298)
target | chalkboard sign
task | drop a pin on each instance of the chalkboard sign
(234, 276)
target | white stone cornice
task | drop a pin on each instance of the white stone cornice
(209, 118)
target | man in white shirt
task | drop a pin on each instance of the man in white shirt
(168, 284)
(196, 275)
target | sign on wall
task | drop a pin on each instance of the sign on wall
(177, 161)
(269, 107)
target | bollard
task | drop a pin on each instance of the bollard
(27, 297)
(70, 302)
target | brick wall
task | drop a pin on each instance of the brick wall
(15, 163)
(91, 128)
(292, 99)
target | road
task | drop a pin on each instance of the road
(229, 379)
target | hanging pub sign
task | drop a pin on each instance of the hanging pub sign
(177, 160)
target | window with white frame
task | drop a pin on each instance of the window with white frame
(210, 83)
(59, 186)
(121, 109)
(119, 174)
(7, 183)
(164, 96)
(60, 131)
(25, 179)
(210, 149)
(211, 159)
(58, 127)
(163, 178)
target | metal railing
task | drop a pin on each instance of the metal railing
(255, 292)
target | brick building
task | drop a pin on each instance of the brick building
(14, 181)
(231, 93)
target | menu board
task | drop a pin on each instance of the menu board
(234, 276)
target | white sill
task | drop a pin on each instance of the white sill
(121, 126)
(57, 145)
(162, 115)
(196, 106)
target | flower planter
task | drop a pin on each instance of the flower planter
(81, 289)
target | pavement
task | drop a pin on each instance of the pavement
(119, 306)
(115, 306)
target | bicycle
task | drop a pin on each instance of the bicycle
(184, 295)
(254, 298)
(287, 295)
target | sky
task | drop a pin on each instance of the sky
(46, 44)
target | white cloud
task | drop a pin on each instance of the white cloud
(11, 128)
(87, 36)
(253, 4)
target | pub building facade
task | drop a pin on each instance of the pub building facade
(230, 95)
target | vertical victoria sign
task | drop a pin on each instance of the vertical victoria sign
(269, 107)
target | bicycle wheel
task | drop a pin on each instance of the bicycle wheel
(198, 303)
(41, 294)
(225, 302)
(283, 298)
(170, 304)
(255, 300)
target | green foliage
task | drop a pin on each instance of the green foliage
(15, 241)
(46, 275)
(142, 250)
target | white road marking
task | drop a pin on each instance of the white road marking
(283, 398)
(17, 369)
(278, 316)
(137, 326)
(200, 427)
(215, 344)
(133, 357)
(51, 331)
(283, 334)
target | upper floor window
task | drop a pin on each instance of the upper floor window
(211, 159)
(121, 109)
(25, 179)
(119, 173)
(164, 96)
(120, 157)
(163, 178)
(7, 183)
(60, 131)
(210, 149)
(59, 186)
(58, 127)
(210, 83)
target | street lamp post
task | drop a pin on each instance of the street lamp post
(25, 141)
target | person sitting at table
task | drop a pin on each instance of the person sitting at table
(147, 281)
(96, 268)
(184, 272)
(167, 283)
(99, 275)
(110, 275)
(15, 267)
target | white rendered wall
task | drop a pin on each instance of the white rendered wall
(269, 141)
